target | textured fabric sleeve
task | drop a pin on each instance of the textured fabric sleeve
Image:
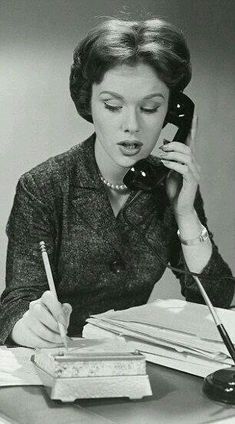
(30, 221)
(216, 275)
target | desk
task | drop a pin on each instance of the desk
(177, 398)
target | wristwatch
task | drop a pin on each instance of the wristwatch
(203, 236)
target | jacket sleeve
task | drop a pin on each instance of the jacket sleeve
(216, 276)
(30, 221)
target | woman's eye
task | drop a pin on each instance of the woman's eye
(116, 108)
(112, 108)
(150, 110)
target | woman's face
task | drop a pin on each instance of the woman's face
(128, 109)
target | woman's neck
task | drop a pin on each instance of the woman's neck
(110, 171)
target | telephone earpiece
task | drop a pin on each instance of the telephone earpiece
(147, 173)
(180, 113)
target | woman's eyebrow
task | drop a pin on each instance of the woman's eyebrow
(149, 96)
(112, 94)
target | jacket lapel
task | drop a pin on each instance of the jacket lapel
(89, 197)
(92, 205)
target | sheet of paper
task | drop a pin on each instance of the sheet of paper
(178, 315)
(155, 345)
(180, 356)
(188, 367)
(101, 345)
(6, 420)
(186, 363)
(16, 367)
(167, 352)
(161, 355)
(164, 336)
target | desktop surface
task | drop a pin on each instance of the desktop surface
(177, 398)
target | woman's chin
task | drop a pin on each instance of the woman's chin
(127, 162)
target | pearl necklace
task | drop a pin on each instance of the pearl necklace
(116, 187)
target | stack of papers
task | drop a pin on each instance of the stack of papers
(173, 333)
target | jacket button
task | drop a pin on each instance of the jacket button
(117, 266)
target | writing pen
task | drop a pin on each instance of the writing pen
(223, 333)
(52, 288)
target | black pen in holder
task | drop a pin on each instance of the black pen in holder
(220, 385)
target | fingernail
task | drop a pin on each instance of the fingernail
(62, 329)
(164, 145)
(67, 309)
(162, 154)
(62, 320)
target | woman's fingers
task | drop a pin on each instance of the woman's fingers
(175, 159)
(26, 332)
(44, 333)
(67, 308)
(30, 339)
(54, 306)
(38, 327)
(183, 169)
(33, 339)
(43, 317)
(175, 146)
(42, 324)
(40, 312)
(187, 159)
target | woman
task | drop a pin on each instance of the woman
(106, 249)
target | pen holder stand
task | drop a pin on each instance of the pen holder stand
(220, 385)
(95, 375)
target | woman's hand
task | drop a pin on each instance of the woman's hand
(182, 181)
(39, 325)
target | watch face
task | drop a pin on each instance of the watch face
(200, 239)
(204, 234)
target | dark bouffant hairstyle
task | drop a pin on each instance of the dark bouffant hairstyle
(117, 42)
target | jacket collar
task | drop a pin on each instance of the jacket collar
(86, 172)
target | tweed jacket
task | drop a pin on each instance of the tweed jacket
(99, 261)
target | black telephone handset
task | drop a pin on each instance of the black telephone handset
(146, 174)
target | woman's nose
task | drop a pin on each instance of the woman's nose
(130, 121)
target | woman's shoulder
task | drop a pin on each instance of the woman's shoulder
(60, 163)
(52, 173)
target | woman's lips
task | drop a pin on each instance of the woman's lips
(130, 148)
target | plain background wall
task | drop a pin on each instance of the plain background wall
(38, 118)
